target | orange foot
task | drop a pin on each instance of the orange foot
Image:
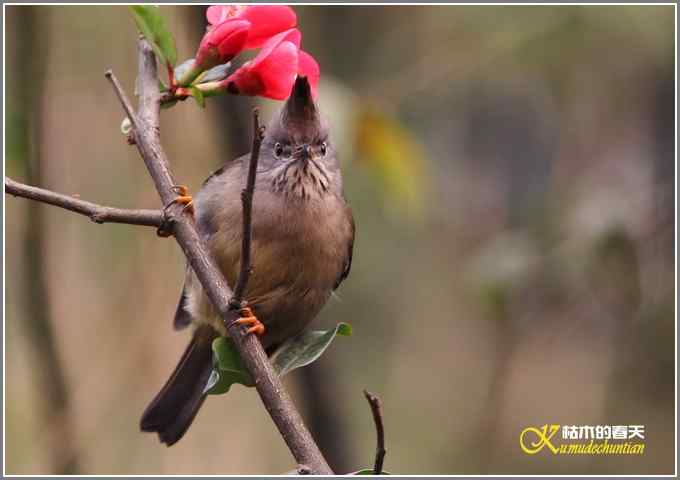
(182, 197)
(249, 318)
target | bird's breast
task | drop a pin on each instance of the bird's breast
(299, 243)
(298, 251)
(298, 248)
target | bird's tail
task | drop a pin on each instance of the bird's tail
(170, 414)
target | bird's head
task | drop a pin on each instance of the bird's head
(297, 149)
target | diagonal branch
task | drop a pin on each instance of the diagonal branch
(96, 213)
(376, 410)
(268, 385)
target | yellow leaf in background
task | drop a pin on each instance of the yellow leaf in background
(395, 159)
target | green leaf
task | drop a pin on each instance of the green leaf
(152, 25)
(306, 348)
(220, 381)
(198, 96)
(226, 356)
(228, 369)
(294, 353)
(368, 471)
(213, 380)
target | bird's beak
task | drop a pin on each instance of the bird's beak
(303, 152)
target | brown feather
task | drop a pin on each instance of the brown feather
(171, 412)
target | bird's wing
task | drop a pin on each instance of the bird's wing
(182, 315)
(224, 168)
(205, 228)
(214, 183)
(350, 250)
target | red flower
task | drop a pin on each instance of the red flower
(217, 14)
(266, 20)
(222, 43)
(272, 73)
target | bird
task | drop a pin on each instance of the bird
(301, 249)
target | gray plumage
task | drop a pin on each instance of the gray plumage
(302, 240)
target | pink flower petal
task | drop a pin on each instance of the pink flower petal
(293, 36)
(267, 20)
(232, 45)
(272, 76)
(217, 14)
(223, 42)
(278, 71)
(244, 82)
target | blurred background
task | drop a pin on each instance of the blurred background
(511, 173)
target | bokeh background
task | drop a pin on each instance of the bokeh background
(511, 172)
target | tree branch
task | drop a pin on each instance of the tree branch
(376, 409)
(96, 213)
(268, 385)
(247, 202)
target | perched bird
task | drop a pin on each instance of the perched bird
(301, 250)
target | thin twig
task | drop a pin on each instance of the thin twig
(96, 213)
(376, 409)
(268, 385)
(247, 202)
(124, 100)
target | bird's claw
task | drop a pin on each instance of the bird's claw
(249, 318)
(183, 197)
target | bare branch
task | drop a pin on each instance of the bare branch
(96, 213)
(268, 385)
(376, 409)
(125, 102)
(247, 201)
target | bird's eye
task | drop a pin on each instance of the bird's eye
(324, 149)
(278, 149)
